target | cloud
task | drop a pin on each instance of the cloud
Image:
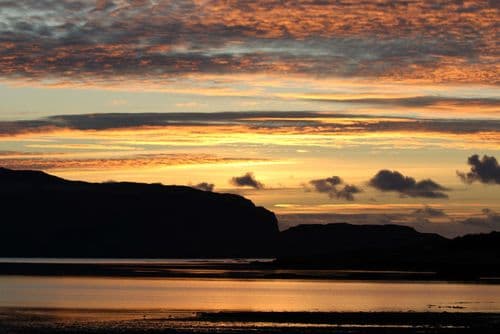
(326, 185)
(386, 180)
(426, 215)
(488, 220)
(103, 5)
(484, 170)
(205, 186)
(41, 161)
(50, 40)
(297, 130)
(247, 180)
(413, 101)
(428, 212)
(330, 186)
(299, 121)
(348, 192)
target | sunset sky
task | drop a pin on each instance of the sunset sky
(297, 105)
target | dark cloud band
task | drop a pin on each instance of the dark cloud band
(297, 121)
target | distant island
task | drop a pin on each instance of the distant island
(389, 247)
(47, 216)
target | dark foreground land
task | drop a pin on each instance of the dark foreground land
(17, 321)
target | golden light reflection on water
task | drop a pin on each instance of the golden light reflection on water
(245, 295)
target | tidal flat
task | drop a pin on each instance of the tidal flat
(43, 320)
(237, 296)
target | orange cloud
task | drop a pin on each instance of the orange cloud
(139, 131)
(44, 162)
(425, 41)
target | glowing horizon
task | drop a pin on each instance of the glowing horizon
(186, 92)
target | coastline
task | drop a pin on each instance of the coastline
(41, 320)
(234, 270)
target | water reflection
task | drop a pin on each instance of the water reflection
(245, 295)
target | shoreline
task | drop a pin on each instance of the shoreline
(253, 270)
(41, 320)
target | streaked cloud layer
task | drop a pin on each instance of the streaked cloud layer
(17, 160)
(297, 122)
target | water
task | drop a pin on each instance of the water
(41, 260)
(245, 295)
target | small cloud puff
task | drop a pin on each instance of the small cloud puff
(330, 186)
(386, 180)
(247, 180)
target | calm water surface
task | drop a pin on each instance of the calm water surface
(245, 295)
(42, 260)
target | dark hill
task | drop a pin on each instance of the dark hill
(46, 216)
(357, 246)
(334, 238)
(388, 247)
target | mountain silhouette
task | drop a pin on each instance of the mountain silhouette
(46, 216)
(389, 247)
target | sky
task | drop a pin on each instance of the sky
(322, 111)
